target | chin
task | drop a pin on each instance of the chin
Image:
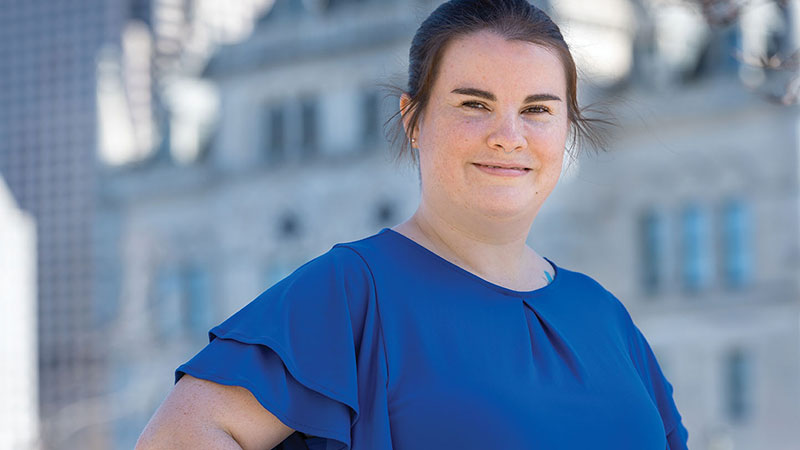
(505, 208)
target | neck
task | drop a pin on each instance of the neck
(494, 250)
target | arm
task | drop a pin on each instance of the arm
(203, 414)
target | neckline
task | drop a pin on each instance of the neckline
(496, 287)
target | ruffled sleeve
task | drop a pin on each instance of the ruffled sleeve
(660, 389)
(300, 347)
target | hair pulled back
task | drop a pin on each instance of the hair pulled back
(511, 19)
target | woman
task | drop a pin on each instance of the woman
(447, 330)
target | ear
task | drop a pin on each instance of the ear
(405, 99)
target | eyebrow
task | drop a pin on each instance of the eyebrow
(489, 96)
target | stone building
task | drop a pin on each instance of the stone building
(690, 218)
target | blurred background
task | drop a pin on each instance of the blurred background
(162, 162)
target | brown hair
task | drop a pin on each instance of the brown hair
(511, 19)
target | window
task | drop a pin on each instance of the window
(737, 372)
(309, 125)
(736, 246)
(198, 314)
(333, 4)
(696, 255)
(652, 238)
(371, 116)
(182, 301)
(165, 306)
(778, 36)
(732, 44)
(275, 132)
(289, 225)
(385, 213)
(719, 53)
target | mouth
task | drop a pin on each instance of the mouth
(503, 166)
(502, 170)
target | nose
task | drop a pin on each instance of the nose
(507, 134)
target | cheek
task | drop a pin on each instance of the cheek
(555, 133)
(549, 147)
(453, 139)
(550, 138)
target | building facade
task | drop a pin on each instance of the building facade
(690, 218)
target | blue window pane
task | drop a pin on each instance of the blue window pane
(733, 46)
(736, 250)
(696, 261)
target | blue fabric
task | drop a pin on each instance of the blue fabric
(381, 344)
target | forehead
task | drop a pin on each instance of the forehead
(486, 59)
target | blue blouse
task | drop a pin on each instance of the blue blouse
(382, 344)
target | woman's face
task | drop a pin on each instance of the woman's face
(494, 102)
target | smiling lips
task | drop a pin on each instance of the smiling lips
(505, 170)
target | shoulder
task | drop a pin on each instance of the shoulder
(339, 272)
(367, 246)
(607, 309)
(617, 314)
(594, 298)
(587, 286)
(341, 260)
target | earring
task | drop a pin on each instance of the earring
(413, 140)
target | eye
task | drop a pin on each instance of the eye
(538, 109)
(474, 105)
